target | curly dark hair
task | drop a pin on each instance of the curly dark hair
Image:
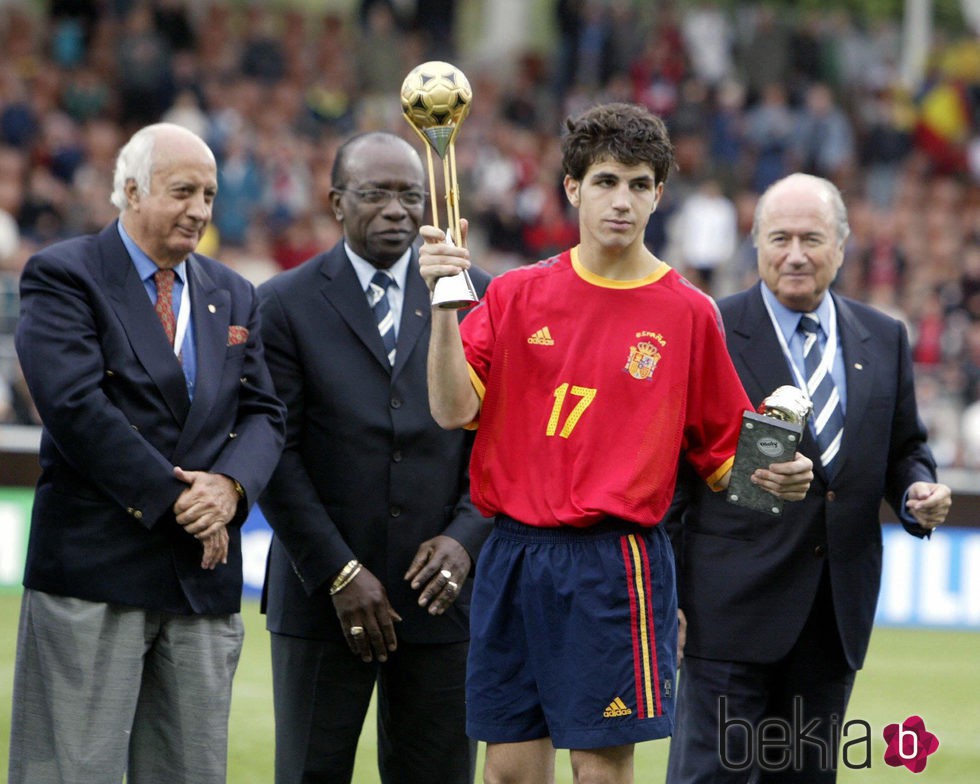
(623, 132)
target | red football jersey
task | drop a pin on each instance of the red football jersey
(591, 388)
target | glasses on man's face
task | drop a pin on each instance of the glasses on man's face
(378, 197)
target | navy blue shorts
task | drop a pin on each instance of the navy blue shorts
(573, 636)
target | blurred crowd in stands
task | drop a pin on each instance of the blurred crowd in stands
(750, 91)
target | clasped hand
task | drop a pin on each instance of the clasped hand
(204, 508)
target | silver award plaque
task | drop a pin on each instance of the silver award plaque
(770, 436)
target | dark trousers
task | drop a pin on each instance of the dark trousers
(723, 706)
(321, 693)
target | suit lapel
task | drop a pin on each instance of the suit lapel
(343, 290)
(141, 324)
(211, 311)
(754, 343)
(416, 314)
(858, 370)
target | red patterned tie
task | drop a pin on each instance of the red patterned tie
(164, 280)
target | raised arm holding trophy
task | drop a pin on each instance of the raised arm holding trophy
(436, 97)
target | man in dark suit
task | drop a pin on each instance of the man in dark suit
(159, 429)
(779, 610)
(375, 533)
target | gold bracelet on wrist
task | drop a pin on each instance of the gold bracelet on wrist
(344, 576)
(347, 581)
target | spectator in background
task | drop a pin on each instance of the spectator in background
(726, 133)
(241, 184)
(263, 58)
(823, 138)
(769, 129)
(568, 24)
(708, 40)
(764, 54)
(705, 234)
(143, 68)
(382, 58)
(885, 120)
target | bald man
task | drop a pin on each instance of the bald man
(779, 610)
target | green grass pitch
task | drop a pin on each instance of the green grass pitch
(933, 674)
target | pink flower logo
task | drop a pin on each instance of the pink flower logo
(909, 744)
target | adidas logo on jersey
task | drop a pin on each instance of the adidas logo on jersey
(541, 338)
(616, 708)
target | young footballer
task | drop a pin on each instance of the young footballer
(588, 375)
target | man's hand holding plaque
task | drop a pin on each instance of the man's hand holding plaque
(768, 437)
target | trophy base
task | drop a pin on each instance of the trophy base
(455, 292)
(762, 441)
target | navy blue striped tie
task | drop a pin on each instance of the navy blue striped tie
(378, 296)
(828, 416)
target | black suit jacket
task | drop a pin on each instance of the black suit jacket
(366, 472)
(117, 419)
(747, 580)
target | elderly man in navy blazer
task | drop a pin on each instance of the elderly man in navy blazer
(161, 426)
(780, 609)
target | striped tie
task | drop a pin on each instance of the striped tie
(378, 297)
(828, 417)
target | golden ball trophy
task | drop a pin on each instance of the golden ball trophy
(770, 436)
(436, 97)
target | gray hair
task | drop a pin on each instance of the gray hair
(833, 194)
(136, 161)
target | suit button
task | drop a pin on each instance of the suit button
(395, 511)
(819, 551)
(135, 513)
(396, 402)
(233, 435)
(397, 455)
(831, 495)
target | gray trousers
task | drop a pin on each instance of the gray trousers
(105, 690)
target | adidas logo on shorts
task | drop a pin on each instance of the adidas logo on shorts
(616, 708)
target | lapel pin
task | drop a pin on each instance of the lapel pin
(858, 366)
(212, 309)
(419, 313)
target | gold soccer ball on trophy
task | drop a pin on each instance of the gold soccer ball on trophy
(436, 94)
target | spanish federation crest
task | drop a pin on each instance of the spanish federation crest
(643, 360)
